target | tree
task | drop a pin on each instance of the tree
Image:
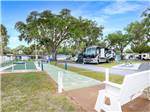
(47, 29)
(28, 50)
(35, 49)
(87, 33)
(146, 23)
(101, 43)
(118, 41)
(8, 50)
(142, 48)
(128, 51)
(92, 33)
(51, 30)
(139, 40)
(4, 39)
(139, 32)
(19, 50)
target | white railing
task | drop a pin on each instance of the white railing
(60, 82)
(118, 95)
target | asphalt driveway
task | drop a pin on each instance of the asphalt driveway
(102, 69)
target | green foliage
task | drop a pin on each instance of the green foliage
(30, 50)
(101, 43)
(65, 50)
(136, 32)
(118, 41)
(19, 50)
(137, 36)
(146, 23)
(88, 33)
(139, 41)
(7, 50)
(139, 32)
(142, 48)
(50, 30)
(46, 28)
(3, 39)
(128, 51)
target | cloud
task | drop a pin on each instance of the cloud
(88, 14)
(81, 10)
(101, 20)
(120, 7)
(104, 14)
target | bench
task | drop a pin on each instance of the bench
(117, 95)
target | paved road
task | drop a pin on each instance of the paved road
(102, 69)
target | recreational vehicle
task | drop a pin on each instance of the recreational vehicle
(95, 54)
(145, 56)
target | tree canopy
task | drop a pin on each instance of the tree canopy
(118, 41)
(139, 40)
(63, 32)
(146, 23)
(137, 35)
(51, 30)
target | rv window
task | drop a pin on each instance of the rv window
(109, 52)
(97, 51)
(90, 51)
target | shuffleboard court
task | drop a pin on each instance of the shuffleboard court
(71, 80)
(6, 63)
(22, 66)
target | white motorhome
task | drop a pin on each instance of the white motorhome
(145, 56)
(96, 54)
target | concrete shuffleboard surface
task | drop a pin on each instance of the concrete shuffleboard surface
(128, 66)
(71, 80)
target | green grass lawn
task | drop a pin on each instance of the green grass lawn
(95, 75)
(32, 92)
(108, 65)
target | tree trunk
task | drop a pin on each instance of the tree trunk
(54, 54)
(121, 55)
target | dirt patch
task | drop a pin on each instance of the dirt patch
(140, 104)
(86, 99)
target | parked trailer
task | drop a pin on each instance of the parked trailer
(95, 54)
(145, 56)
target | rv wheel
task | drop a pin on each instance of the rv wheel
(107, 61)
(98, 61)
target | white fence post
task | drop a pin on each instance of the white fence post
(25, 66)
(60, 82)
(12, 67)
(107, 74)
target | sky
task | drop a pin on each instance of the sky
(112, 15)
